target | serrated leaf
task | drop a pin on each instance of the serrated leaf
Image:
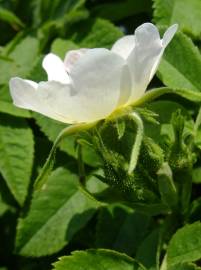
(97, 259)
(56, 213)
(96, 33)
(121, 228)
(61, 46)
(185, 245)
(16, 147)
(20, 60)
(180, 66)
(184, 12)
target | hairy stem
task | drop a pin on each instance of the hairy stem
(45, 171)
(138, 140)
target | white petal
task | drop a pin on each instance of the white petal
(25, 95)
(124, 46)
(97, 78)
(72, 57)
(169, 34)
(167, 37)
(95, 93)
(145, 57)
(55, 68)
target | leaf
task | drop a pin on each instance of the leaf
(196, 175)
(147, 251)
(164, 109)
(96, 33)
(52, 128)
(195, 210)
(168, 12)
(54, 9)
(20, 60)
(185, 245)
(184, 266)
(167, 187)
(51, 18)
(60, 47)
(121, 9)
(3, 206)
(180, 66)
(8, 16)
(56, 213)
(9, 108)
(97, 259)
(16, 147)
(121, 228)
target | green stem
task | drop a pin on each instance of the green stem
(138, 140)
(42, 177)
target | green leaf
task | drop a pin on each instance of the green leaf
(20, 60)
(147, 251)
(8, 16)
(121, 228)
(96, 33)
(167, 187)
(52, 128)
(185, 245)
(184, 12)
(196, 175)
(61, 46)
(97, 259)
(151, 95)
(184, 266)
(164, 109)
(46, 10)
(121, 9)
(56, 213)
(56, 17)
(180, 66)
(16, 147)
(9, 108)
(195, 210)
(3, 206)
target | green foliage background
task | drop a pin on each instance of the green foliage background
(91, 214)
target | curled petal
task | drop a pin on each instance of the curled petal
(25, 95)
(169, 34)
(124, 46)
(55, 69)
(145, 57)
(167, 37)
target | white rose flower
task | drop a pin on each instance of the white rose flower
(91, 84)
